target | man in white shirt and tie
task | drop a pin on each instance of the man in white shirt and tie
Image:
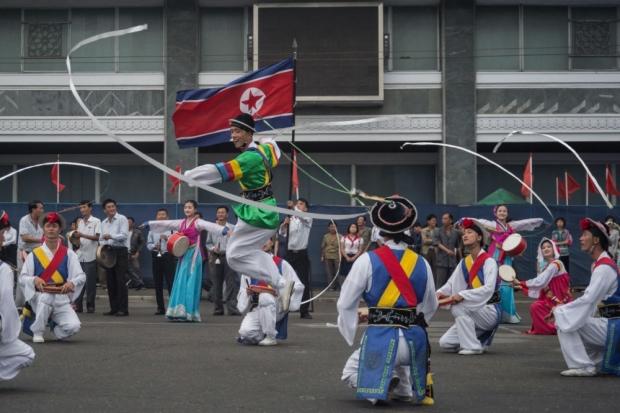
(114, 232)
(219, 271)
(88, 231)
(297, 253)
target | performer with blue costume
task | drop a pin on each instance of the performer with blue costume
(397, 285)
(591, 343)
(52, 278)
(265, 320)
(472, 293)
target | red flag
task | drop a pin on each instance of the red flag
(610, 185)
(201, 115)
(55, 176)
(572, 185)
(591, 187)
(528, 178)
(295, 176)
(175, 181)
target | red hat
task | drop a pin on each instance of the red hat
(4, 220)
(598, 229)
(54, 218)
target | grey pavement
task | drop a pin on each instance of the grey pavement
(143, 363)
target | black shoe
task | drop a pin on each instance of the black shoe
(90, 310)
(139, 287)
(159, 312)
(235, 312)
(110, 313)
(218, 312)
(306, 316)
(79, 310)
(122, 314)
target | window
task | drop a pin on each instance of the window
(593, 37)
(497, 38)
(545, 38)
(223, 32)
(45, 38)
(98, 56)
(414, 38)
(142, 51)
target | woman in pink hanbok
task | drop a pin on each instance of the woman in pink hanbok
(551, 287)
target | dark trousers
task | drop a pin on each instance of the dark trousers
(115, 280)
(90, 289)
(566, 261)
(442, 275)
(163, 270)
(219, 273)
(134, 275)
(301, 264)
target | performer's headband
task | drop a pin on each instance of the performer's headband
(596, 228)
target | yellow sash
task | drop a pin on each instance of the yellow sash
(391, 294)
(469, 262)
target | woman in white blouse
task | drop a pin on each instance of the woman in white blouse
(351, 247)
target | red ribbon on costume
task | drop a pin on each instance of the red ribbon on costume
(397, 274)
(60, 254)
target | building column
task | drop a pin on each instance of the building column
(457, 170)
(182, 32)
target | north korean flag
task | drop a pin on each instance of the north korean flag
(201, 115)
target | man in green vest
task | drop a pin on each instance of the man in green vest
(255, 226)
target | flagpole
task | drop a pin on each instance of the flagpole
(587, 189)
(531, 180)
(566, 186)
(290, 187)
(57, 179)
(557, 190)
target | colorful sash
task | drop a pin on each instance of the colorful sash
(400, 283)
(472, 270)
(50, 273)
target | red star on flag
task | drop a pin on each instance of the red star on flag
(251, 101)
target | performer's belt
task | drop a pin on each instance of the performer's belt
(495, 298)
(609, 310)
(401, 317)
(258, 194)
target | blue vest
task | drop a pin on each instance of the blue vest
(63, 268)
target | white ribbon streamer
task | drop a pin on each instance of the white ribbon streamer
(159, 165)
(460, 148)
(567, 146)
(83, 165)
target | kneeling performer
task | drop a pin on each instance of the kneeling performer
(266, 319)
(591, 343)
(397, 285)
(14, 353)
(472, 292)
(52, 279)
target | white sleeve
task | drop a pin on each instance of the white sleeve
(97, 227)
(203, 225)
(477, 297)
(10, 237)
(26, 277)
(165, 225)
(8, 312)
(526, 224)
(572, 316)
(289, 274)
(243, 300)
(150, 241)
(76, 274)
(542, 280)
(429, 302)
(355, 284)
(205, 174)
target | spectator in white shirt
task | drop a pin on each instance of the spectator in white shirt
(114, 232)
(297, 252)
(351, 248)
(88, 232)
(8, 241)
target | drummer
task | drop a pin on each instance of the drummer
(472, 292)
(265, 321)
(52, 267)
(501, 228)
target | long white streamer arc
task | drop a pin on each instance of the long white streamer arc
(83, 165)
(567, 146)
(159, 165)
(326, 289)
(446, 145)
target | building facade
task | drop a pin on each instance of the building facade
(462, 72)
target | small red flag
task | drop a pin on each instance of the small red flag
(610, 185)
(55, 177)
(528, 178)
(591, 187)
(572, 185)
(561, 188)
(175, 181)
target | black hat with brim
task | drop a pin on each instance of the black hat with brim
(393, 216)
(243, 121)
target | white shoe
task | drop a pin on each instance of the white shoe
(38, 338)
(285, 295)
(467, 352)
(268, 341)
(585, 372)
